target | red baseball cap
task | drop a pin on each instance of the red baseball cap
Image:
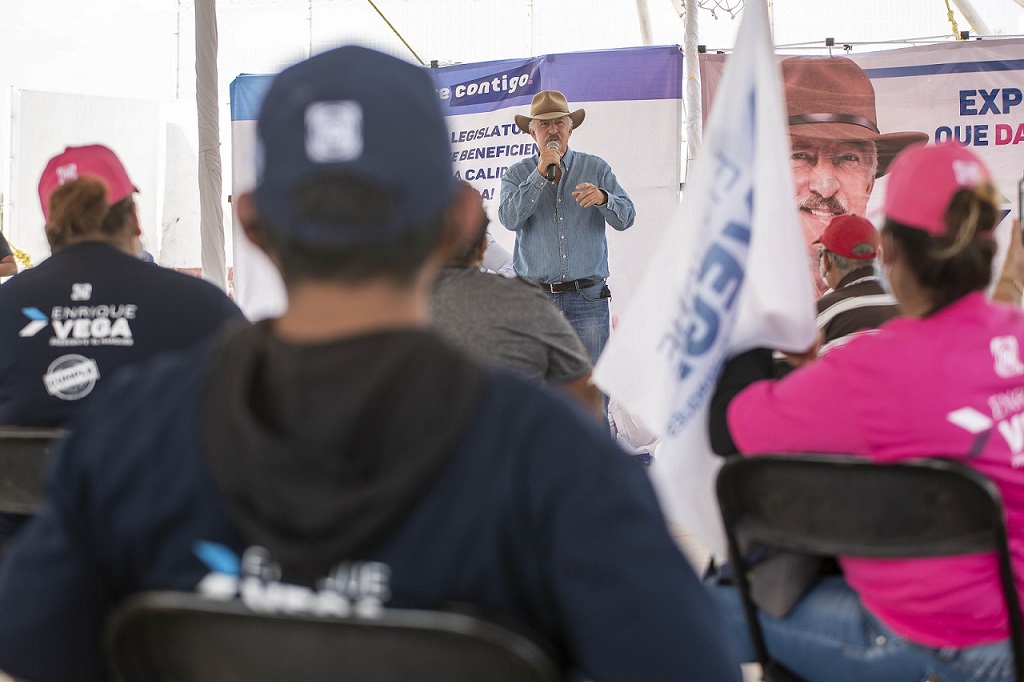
(92, 160)
(923, 180)
(850, 236)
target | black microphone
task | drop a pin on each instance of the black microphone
(550, 175)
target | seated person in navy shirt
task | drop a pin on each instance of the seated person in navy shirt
(93, 305)
(342, 456)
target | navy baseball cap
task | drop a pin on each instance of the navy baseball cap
(357, 111)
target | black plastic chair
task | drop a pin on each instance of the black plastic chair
(185, 637)
(24, 459)
(842, 505)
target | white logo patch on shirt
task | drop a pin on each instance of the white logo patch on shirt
(71, 377)
(334, 131)
(1006, 354)
(970, 420)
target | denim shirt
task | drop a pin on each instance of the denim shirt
(556, 239)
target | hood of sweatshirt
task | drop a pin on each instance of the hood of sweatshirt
(320, 450)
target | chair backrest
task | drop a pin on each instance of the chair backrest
(24, 458)
(832, 505)
(186, 637)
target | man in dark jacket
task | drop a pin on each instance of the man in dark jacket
(345, 451)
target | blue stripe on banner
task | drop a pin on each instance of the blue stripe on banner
(635, 73)
(946, 69)
(247, 91)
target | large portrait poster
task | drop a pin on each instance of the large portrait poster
(633, 103)
(968, 91)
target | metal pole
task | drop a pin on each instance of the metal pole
(643, 15)
(691, 71)
(211, 221)
(973, 17)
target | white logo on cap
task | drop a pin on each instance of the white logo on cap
(968, 173)
(334, 131)
(81, 291)
(67, 173)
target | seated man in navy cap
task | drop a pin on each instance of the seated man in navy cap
(344, 437)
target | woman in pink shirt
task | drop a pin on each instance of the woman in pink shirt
(947, 379)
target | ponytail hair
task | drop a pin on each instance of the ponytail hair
(958, 262)
(79, 210)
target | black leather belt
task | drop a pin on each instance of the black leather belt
(574, 285)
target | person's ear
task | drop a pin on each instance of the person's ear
(136, 226)
(482, 250)
(248, 216)
(888, 249)
(462, 220)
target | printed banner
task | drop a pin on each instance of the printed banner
(633, 103)
(728, 277)
(968, 91)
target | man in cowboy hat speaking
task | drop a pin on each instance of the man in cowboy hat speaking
(557, 202)
(837, 149)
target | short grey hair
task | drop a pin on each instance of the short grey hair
(844, 265)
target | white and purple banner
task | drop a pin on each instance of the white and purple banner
(971, 92)
(633, 100)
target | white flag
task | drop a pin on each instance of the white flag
(731, 275)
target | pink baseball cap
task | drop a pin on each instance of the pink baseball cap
(92, 160)
(923, 180)
(850, 236)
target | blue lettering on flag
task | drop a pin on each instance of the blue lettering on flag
(697, 341)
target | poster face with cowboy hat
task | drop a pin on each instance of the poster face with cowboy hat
(888, 100)
(837, 148)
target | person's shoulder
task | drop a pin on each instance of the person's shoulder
(518, 293)
(138, 404)
(179, 279)
(159, 376)
(525, 162)
(457, 283)
(828, 300)
(186, 289)
(542, 421)
(588, 157)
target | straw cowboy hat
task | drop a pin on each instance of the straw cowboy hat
(832, 97)
(546, 105)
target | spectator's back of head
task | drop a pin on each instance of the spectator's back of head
(86, 194)
(471, 252)
(355, 169)
(941, 209)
